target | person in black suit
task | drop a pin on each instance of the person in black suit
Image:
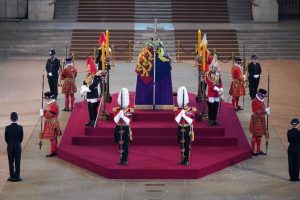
(14, 138)
(254, 71)
(52, 68)
(293, 136)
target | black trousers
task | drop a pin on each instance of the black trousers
(294, 164)
(122, 133)
(184, 133)
(93, 108)
(14, 161)
(253, 85)
(52, 81)
(212, 110)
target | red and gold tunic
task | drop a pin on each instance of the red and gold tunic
(212, 80)
(68, 75)
(51, 124)
(237, 87)
(258, 122)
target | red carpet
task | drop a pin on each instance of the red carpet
(154, 153)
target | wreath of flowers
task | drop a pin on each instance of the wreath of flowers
(152, 43)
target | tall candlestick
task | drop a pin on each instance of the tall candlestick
(203, 57)
(107, 43)
(199, 41)
(103, 56)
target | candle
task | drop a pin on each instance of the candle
(107, 43)
(102, 56)
(199, 41)
(203, 57)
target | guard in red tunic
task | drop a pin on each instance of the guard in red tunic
(214, 92)
(69, 86)
(122, 132)
(258, 122)
(51, 125)
(185, 117)
(237, 87)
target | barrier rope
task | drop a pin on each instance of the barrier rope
(193, 50)
(121, 50)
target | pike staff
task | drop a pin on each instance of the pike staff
(267, 136)
(42, 107)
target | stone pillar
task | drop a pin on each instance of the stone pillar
(41, 10)
(265, 10)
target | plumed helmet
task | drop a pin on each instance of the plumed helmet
(102, 39)
(91, 65)
(182, 96)
(125, 98)
(294, 121)
(52, 52)
(214, 63)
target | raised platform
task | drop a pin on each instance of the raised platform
(154, 152)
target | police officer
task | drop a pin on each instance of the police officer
(52, 68)
(254, 71)
(293, 136)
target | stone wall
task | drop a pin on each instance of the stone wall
(13, 8)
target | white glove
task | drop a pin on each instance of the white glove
(244, 77)
(50, 74)
(268, 111)
(216, 89)
(84, 90)
(187, 119)
(256, 76)
(221, 90)
(178, 117)
(118, 116)
(41, 112)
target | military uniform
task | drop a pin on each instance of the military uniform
(51, 125)
(69, 86)
(258, 122)
(52, 68)
(185, 117)
(122, 131)
(237, 87)
(293, 136)
(254, 71)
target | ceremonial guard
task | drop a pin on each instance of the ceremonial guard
(69, 86)
(90, 90)
(214, 92)
(254, 71)
(293, 136)
(52, 68)
(102, 39)
(237, 87)
(185, 117)
(122, 132)
(258, 122)
(51, 125)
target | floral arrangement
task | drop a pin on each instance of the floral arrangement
(154, 43)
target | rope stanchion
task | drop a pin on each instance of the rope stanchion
(121, 50)
(113, 55)
(186, 52)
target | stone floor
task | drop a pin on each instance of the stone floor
(52, 178)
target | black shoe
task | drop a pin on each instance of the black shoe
(236, 109)
(261, 153)
(215, 123)
(49, 155)
(186, 163)
(18, 180)
(92, 124)
(254, 154)
(54, 154)
(11, 179)
(240, 108)
(210, 123)
(66, 109)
